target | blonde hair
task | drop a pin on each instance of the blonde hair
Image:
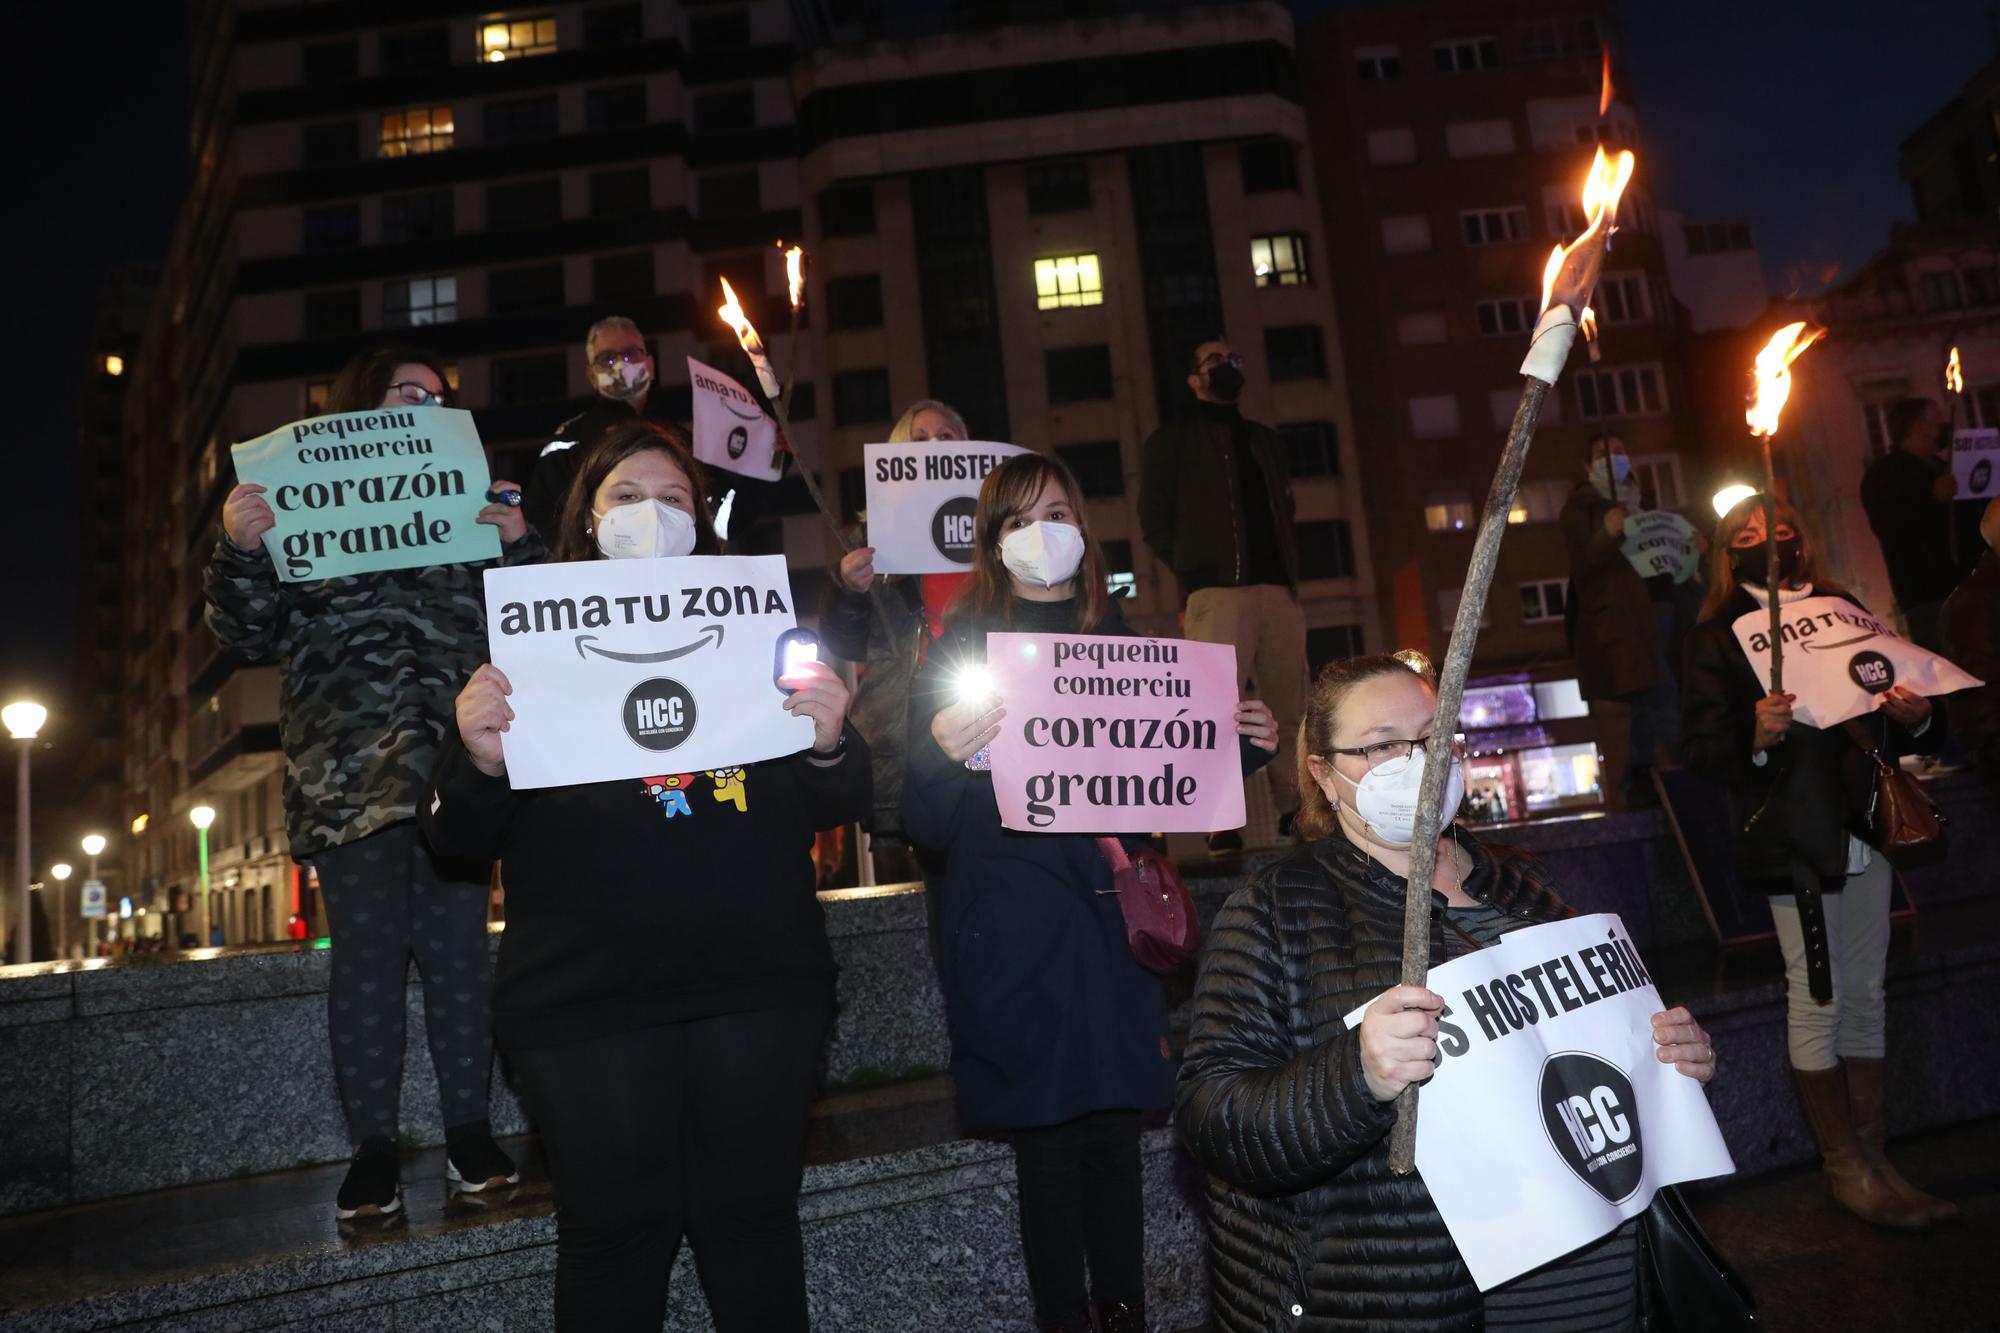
(900, 434)
(1316, 818)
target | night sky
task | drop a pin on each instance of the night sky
(1787, 115)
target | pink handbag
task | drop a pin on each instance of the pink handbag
(1160, 925)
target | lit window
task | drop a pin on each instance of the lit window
(513, 38)
(1071, 280)
(1448, 513)
(423, 129)
(1278, 261)
(412, 301)
(114, 365)
(1539, 502)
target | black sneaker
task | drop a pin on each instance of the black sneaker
(1229, 840)
(373, 1184)
(474, 1162)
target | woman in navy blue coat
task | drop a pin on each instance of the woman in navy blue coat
(1058, 1034)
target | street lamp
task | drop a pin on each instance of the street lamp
(60, 872)
(201, 817)
(23, 721)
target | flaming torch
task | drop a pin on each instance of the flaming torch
(1954, 384)
(1771, 385)
(1567, 282)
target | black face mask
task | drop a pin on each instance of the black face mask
(1748, 563)
(1226, 382)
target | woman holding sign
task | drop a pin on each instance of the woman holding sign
(1795, 792)
(1058, 1033)
(1290, 1109)
(665, 980)
(371, 663)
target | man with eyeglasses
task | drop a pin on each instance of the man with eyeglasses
(1215, 504)
(620, 366)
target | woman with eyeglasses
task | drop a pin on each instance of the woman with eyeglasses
(1290, 1110)
(371, 665)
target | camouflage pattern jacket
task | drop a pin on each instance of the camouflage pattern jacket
(372, 666)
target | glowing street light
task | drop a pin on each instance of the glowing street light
(23, 720)
(201, 817)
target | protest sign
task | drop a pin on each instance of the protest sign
(357, 492)
(731, 431)
(1975, 463)
(1659, 541)
(1838, 658)
(1550, 1118)
(921, 499)
(1109, 734)
(626, 668)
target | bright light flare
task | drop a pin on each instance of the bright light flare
(23, 719)
(1772, 382)
(1954, 378)
(732, 314)
(795, 275)
(1603, 187)
(202, 816)
(1729, 497)
(973, 684)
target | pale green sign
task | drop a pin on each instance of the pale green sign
(359, 492)
(1659, 541)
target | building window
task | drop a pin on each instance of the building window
(1508, 318)
(724, 30)
(333, 144)
(1543, 600)
(331, 62)
(1279, 261)
(1392, 147)
(530, 379)
(333, 314)
(407, 302)
(1659, 477)
(854, 302)
(1420, 329)
(1479, 138)
(524, 203)
(861, 397)
(522, 119)
(1877, 397)
(1099, 468)
(1434, 416)
(1406, 235)
(847, 210)
(722, 113)
(1539, 502)
(1622, 298)
(616, 108)
(1626, 391)
(1941, 290)
(1547, 39)
(1058, 187)
(626, 277)
(1493, 226)
(1077, 374)
(517, 36)
(335, 227)
(1068, 280)
(1465, 55)
(425, 216)
(729, 194)
(1295, 352)
(620, 190)
(1269, 165)
(528, 287)
(1716, 238)
(415, 50)
(613, 25)
(1326, 549)
(1312, 448)
(1374, 64)
(423, 129)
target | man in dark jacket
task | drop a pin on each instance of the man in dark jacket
(1971, 628)
(1215, 504)
(621, 371)
(1907, 494)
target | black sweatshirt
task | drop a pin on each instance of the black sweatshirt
(652, 900)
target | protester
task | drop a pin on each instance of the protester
(1290, 1110)
(1907, 494)
(1971, 631)
(1215, 505)
(622, 377)
(1794, 793)
(665, 978)
(1058, 1033)
(891, 644)
(371, 664)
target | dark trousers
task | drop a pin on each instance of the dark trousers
(386, 899)
(688, 1129)
(1081, 1199)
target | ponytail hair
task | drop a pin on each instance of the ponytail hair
(1316, 818)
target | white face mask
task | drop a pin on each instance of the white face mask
(1386, 798)
(628, 381)
(645, 528)
(1042, 555)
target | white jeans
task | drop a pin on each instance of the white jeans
(1857, 937)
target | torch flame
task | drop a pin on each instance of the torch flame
(1954, 380)
(1773, 377)
(1587, 322)
(1604, 96)
(1603, 187)
(732, 315)
(795, 274)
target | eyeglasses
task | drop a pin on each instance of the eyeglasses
(611, 360)
(1391, 757)
(1214, 359)
(418, 395)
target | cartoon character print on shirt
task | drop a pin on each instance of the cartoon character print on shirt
(729, 787)
(671, 793)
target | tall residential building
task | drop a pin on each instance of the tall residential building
(1452, 140)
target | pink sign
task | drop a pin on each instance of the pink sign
(1109, 734)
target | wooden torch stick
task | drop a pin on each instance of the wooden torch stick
(1771, 570)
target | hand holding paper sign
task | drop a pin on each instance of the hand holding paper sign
(483, 713)
(1255, 723)
(967, 726)
(247, 516)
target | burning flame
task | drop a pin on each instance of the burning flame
(1604, 96)
(1588, 323)
(732, 315)
(795, 274)
(1602, 189)
(1773, 377)
(1954, 380)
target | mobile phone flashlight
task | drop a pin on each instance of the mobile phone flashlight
(973, 683)
(794, 646)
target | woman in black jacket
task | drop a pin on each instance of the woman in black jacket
(1795, 792)
(1290, 1110)
(1058, 1033)
(665, 978)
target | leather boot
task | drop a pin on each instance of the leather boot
(1067, 1321)
(1120, 1317)
(1867, 1097)
(1853, 1183)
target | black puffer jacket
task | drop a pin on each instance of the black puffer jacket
(1308, 1229)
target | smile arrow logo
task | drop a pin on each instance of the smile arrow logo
(1829, 647)
(588, 642)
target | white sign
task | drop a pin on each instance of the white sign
(1659, 541)
(631, 668)
(1838, 658)
(921, 499)
(1551, 1119)
(1975, 462)
(93, 897)
(731, 430)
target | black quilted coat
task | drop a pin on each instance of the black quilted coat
(1308, 1229)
